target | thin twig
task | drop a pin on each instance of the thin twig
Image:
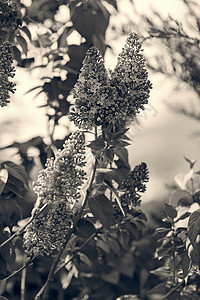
(23, 284)
(19, 270)
(20, 231)
(172, 290)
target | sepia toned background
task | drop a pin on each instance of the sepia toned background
(161, 138)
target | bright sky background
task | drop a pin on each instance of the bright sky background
(161, 140)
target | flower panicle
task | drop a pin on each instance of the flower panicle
(88, 91)
(104, 97)
(58, 185)
(135, 185)
(6, 71)
(63, 176)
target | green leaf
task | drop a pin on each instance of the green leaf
(102, 209)
(194, 226)
(23, 43)
(170, 211)
(84, 228)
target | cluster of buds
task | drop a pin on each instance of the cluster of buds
(6, 71)
(134, 186)
(105, 97)
(58, 186)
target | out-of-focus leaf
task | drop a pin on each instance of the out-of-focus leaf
(3, 266)
(45, 40)
(191, 162)
(161, 232)
(102, 209)
(3, 286)
(184, 216)
(23, 43)
(127, 265)
(183, 178)
(123, 237)
(113, 3)
(180, 197)
(103, 245)
(17, 54)
(98, 20)
(62, 38)
(194, 226)
(185, 263)
(158, 289)
(112, 277)
(3, 179)
(162, 272)
(76, 54)
(195, 254)
(170, 210)
(26, 31)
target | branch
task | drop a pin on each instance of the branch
(19, 270)
(172, 290)
(20, 231)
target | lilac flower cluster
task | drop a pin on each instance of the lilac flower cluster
(58, 186)
(111, 97)
(6, 71)
(134, 185)
(46, 234)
